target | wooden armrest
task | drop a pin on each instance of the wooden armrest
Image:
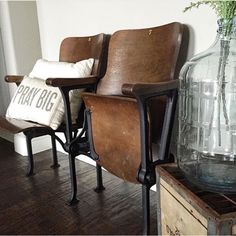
(149, 89)
(72, 82)
(14, 79)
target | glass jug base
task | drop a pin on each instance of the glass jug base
(211, 177)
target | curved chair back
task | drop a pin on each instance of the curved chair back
(75, 49)
(141, 55)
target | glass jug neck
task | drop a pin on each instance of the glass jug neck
(226, 29)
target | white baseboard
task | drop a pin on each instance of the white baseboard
(38, 144)
(9, 137)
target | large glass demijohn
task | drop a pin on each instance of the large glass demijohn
(207, 114)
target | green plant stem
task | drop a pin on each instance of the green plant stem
(220, 96)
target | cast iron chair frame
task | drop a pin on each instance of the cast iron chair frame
(70, 133)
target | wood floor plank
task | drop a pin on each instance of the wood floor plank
(37, 204)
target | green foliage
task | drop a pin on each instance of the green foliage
(224, 9)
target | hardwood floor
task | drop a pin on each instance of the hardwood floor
(37, 204)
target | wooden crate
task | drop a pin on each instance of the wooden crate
(184, 209)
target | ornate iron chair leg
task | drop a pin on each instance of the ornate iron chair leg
(146, 209)
(100, 186)
(54, 153)
(73, 199)
(30, 170)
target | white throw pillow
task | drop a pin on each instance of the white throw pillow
(35, 101)
(44, 69)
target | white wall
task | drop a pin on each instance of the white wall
(20, 49)
(20, 35)
(61, 18)
(25, 34)
(4, 90)
(19, 43)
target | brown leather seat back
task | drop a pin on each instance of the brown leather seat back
(75, 49)
(142, 55)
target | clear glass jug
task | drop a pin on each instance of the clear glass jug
(207, 114)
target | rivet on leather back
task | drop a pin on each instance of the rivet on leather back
(150, 32)
(89, 39)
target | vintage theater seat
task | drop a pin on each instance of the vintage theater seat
(72, 50)
(130, 118)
